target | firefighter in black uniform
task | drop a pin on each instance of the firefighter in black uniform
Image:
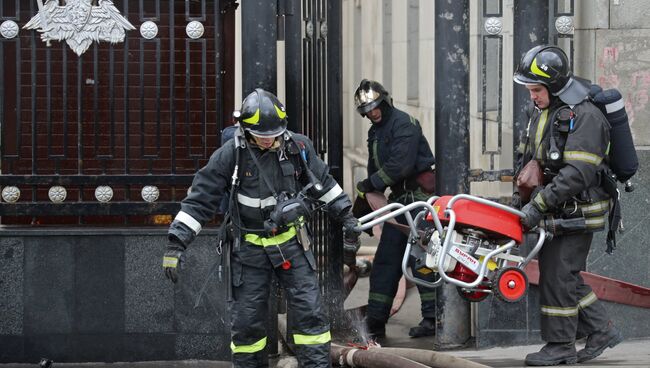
(399, 158)
(272, 175)
(569, 137)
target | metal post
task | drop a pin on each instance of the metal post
(335, 156)
(259, 52)
(293, 63)
(259, 70)
(452, 144)
(530, 23)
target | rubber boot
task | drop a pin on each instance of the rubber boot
(553, 353)
(599, 341)
(376, 328)
(427, 327)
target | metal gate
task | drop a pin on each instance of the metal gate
(115, 135)
(322, 121)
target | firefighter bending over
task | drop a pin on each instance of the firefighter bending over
(274, 179)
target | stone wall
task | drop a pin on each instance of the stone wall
(79, 295)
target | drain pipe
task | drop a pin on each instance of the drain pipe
(373, 358)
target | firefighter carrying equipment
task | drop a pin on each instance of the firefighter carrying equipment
(621, 156)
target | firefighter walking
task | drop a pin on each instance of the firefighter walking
(569, 137)
(399, 158)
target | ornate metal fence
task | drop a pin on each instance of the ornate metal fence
(113, 135)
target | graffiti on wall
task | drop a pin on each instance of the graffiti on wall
(624, 65)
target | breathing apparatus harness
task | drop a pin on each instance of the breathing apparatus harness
(562, 121)
(290, 210)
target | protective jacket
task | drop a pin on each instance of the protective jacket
(572, 188)
(573, 184)
(258, 254)
(397, 153)
(254, 199)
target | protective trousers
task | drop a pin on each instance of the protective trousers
(569, 308)
(386, 273)
(308, 325)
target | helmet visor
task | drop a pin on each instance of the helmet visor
(267, 134)
(526, 81)
(365, 97)
(366, 100)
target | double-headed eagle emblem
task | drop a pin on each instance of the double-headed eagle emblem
(79, 23)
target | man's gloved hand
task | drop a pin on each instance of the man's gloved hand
(351, 242)
(515, 200)
(350, 227)
(172, 260)
(364, 186)
(350, 248)
(533, 216)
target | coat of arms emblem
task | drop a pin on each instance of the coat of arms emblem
(79, 23)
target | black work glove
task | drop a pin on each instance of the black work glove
(532, 216)
(350, 227)
(172, 260)
(351, 242)
(515, 200)
(364, 186)
(350, 249)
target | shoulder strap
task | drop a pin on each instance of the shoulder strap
(261, 171)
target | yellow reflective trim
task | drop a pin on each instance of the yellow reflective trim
(521, 148)
(385, 178)
(281, 114)
(595, 222)
(583, 156)
(541, 124)
(274, 240)
(587, 300)
(540, 202)
(170, 262)
(598, 207)
(255, 119)
(253, 348)
(559, 311)
(426, 271)
(323, 338)
(536, 70)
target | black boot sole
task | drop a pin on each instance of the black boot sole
(615, 340)
(540, 363)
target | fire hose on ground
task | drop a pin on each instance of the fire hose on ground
(397, 358)
(388, 357)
